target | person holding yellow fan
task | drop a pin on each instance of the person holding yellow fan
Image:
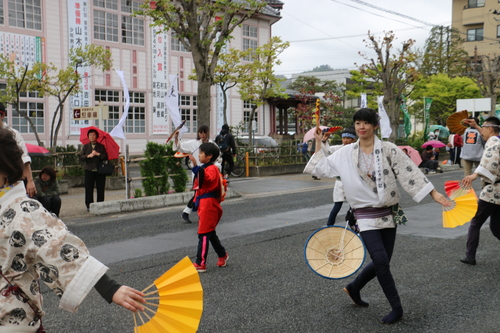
(489, 199)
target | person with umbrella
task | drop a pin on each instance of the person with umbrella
(37, 246)
(368, 169)
(27, 175)
(93, 154)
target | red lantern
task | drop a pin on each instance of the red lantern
(152, 4)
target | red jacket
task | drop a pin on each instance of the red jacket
(209, 208)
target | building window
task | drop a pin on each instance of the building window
(249, 39)
(475, 34)
(188, 107)
(136, 120)
(110, 98)
(247, 110)
(35, 111)
(1, 13)
(498, 29)
(476, 3)
(175, 44)
(25, 14)
(105, 26)
(108, 4)
(106, 22)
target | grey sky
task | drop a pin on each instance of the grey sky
(332, 31)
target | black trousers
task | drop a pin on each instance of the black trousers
(203, 243)
(484, 210)
(227, 160)
(94, 179)
(380, 245)
(52, 204)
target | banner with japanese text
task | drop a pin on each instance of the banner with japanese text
(159, 73)
(78, 32)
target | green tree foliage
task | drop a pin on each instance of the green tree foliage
(203, 27)
(62, 83)
(444, 92)
(258, 82)
(177, 173)
(443, 53)
(154, 165)
(394, 69)
(17, 79)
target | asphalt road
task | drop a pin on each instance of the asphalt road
(267, 287)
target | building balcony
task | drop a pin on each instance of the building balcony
(472, 16)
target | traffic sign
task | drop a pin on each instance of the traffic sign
(92, 112)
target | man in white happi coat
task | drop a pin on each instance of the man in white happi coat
(489, 199)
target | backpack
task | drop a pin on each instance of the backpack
(222, 143)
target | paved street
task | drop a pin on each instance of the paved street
(267, 287)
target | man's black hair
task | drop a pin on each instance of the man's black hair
(209, 148)
(493, 121)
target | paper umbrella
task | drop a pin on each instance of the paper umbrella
(334, 252)
(461, 212)
(177, 301)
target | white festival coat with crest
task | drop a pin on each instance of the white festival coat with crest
(360, 190)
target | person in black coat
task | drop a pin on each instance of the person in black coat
(93, 154)
(227, 146)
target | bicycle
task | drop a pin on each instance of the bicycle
(239, 166)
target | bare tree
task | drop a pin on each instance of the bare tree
(396, 71)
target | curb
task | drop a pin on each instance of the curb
(158, 201)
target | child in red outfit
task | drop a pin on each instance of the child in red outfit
(207, 184)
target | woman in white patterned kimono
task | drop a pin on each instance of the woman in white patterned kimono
(35, 245)
(368, 169)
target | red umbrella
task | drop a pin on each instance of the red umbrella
(413, 153)
(34, 150)
(104, 138)
(434, 144)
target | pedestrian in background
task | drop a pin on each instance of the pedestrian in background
(472, 149)
(47, 190)
(429, 160)
(348, 137)
(455, 143)
(93, 154)
(227, 147)
(36, 246)
(208, 187)
(27, 175)
(489, 199)
(191, 147)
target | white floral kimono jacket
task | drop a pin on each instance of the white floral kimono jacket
(36, 245)
(489, 171)
(360, 190)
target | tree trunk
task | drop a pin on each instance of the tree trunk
(224, 94)
(250, 126)
(204, 101)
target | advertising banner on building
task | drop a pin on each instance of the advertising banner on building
(22, 50)
(78, 21)
(159, 87)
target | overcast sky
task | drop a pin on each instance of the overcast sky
(331, 32)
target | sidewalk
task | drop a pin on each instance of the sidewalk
(73, 203)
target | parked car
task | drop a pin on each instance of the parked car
(261, 143)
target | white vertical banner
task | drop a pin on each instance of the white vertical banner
(172, 102)
(385, 123)
(364, 101)
(78, 20)
(159, 73)
(219, 107)
(118, 130)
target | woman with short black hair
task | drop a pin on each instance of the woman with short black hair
(368, 169)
